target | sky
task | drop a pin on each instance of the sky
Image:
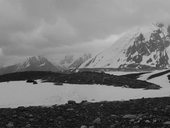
(54, 28)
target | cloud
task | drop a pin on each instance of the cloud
(93, 47)
(56, 27)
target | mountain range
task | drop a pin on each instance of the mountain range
(142, 48)
(40, 63)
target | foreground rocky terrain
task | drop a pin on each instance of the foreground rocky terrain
(141, 113)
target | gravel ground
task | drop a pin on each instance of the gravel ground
(140, 113)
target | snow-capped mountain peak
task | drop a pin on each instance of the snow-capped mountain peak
(140, 48)
(35, 63)
(30, 61)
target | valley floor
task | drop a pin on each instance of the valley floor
(84, 106)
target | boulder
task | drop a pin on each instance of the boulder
(83, 126)
(167, 123)
(129, 116)
(10, 125)
(97, 121)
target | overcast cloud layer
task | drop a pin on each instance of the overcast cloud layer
(57, 27)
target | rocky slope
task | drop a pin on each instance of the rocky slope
(35, 63)
(141, 48)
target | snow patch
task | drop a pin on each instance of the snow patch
(20, 93)
(42, 64)
(160, 80)
(27, 65)
(119, 73)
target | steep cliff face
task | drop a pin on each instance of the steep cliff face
(141, 48)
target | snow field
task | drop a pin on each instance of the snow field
(20, 93)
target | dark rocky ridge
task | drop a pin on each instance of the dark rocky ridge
(141, 113)
(80, 78)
